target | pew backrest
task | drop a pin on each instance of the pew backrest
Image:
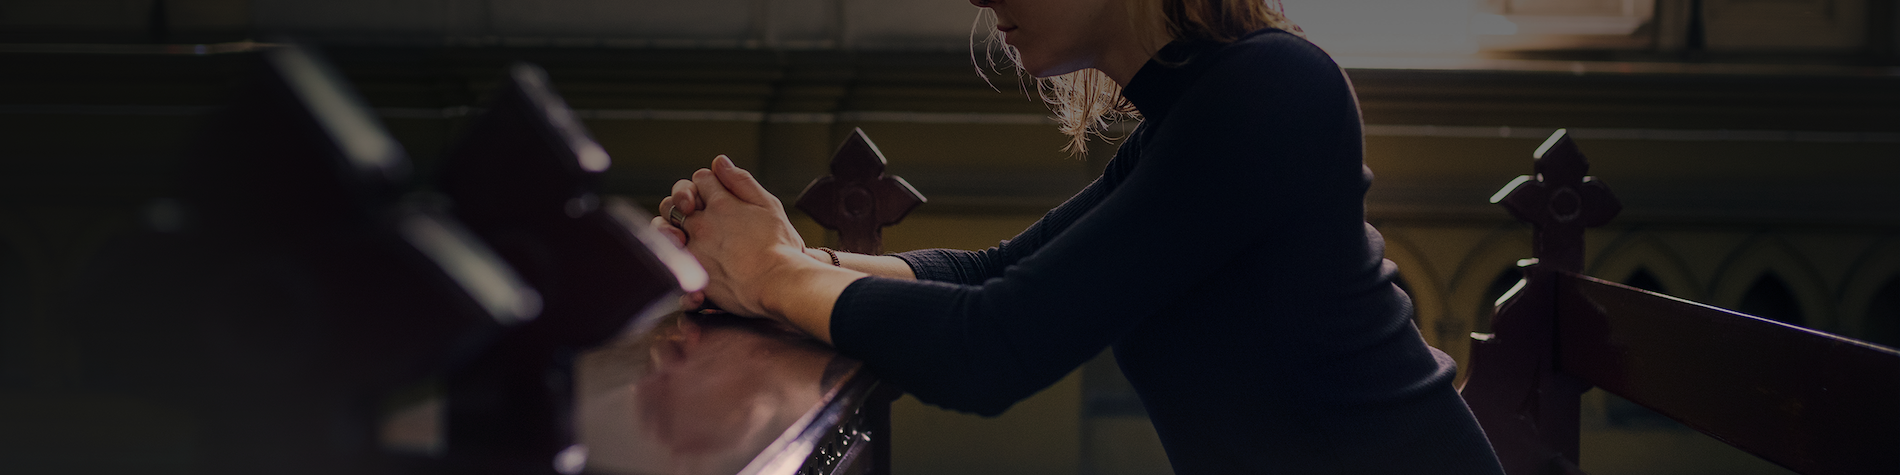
(1806, 400)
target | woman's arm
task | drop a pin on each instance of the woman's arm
(945, 265)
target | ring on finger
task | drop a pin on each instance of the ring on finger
(674, 216)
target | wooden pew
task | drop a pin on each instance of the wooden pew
(305, 313)
(1807, 400)
(299, 291)
(312, 296)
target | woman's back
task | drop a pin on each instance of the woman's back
(1225, 256)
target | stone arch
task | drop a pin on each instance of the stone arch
(1491, 258)
(1768, 255)
(1421, 282)
(1866, 283)
(1643, 251)
(1769, 297)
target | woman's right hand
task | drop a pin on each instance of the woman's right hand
(685, 199)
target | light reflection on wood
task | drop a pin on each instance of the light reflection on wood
(700, 394)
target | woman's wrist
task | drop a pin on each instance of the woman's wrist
(783, 280)
(801, 293)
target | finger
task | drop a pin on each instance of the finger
(741, 183)
(686, 198)
(692, 301)
(674, 233)
(671, 213)
(711, 191)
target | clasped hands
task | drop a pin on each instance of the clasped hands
(741, 235)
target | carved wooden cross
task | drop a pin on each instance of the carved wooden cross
(1559, 201)
(857, 199)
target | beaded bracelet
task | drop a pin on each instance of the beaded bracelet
(834, 256)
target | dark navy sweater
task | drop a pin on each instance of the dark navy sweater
(1224, 254)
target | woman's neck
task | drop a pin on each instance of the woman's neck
(1121, 66)
(1130, 52)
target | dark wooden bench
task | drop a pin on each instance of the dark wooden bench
(318, 315)
(1807, 400)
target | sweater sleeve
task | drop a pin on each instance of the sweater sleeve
(1253, 145)
(958, 266)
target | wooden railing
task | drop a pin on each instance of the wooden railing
(1807, 400)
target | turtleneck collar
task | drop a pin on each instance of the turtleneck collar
(1167, 76)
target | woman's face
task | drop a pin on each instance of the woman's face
(1055, 37)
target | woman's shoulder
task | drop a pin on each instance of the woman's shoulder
(1274, 50)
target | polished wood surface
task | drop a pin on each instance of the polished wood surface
(711, 394)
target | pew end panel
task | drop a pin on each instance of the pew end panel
(858, 200)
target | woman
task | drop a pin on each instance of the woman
(1223, 254)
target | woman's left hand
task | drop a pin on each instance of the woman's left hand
(742, 237)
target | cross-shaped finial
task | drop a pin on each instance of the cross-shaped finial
(1559, 201)
(858, 199)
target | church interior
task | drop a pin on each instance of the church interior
(1753, 144)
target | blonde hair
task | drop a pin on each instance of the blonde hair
(1087, 102)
